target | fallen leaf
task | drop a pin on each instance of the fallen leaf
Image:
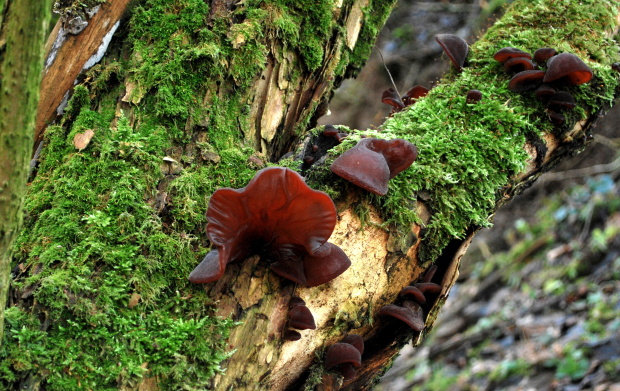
(81, 140)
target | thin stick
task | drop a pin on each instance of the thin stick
(388, 71)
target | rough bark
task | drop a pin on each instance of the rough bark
(207, 147)
(22, 33)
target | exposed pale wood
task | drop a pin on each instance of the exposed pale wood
(70, 58)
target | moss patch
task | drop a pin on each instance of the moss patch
(468, 153)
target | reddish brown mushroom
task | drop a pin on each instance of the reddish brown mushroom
(372, 162)
(561, 101)
(411, 313)
(345, 356)
(543, 54)
(567, 67)
(507, 53)
(416, 92)
(473, 96)
(518, 64)
(390, 97)
(544, 92)
(526, 80)
(276, 215)
(300, 318)
(455, 47)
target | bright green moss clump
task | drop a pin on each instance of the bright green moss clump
(468, 153)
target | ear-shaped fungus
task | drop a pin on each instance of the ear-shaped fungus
(518, 64)
(345, 356)
(526, 80)
(411, 313)
(505, 54)
(543, 54)
(455, 47)
(473, 96)
(278, 216)
(390, 97)
(300, 318)
(568, 67)
(416, 92)
(372, 162)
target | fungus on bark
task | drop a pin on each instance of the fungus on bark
(279, 217)
(544, 54)
(455, 47)
(373, 162)
(518, 64)
(345, 356)
(300, 318)
(544, 92)
(561, 101)
(410, 312)
(567, 67)
(473, 96)
(526, 80)
(390, 97)
(507, 53)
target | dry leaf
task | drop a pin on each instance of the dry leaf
(81, 140)
(133, 301)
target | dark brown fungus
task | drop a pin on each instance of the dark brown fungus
(567, 67)
(455, 47)
(428, 287)
(344, 358)
(543, 54)
(411, 313)
(505, 54)
(356, 340)
(291, 335)
(276, 215)
(372, 162)
(473, 96)
(390, 97)
(556, 118)
(319, 270)
(561, 101)
(616, 66)
(416, 92)
(518, 64)
(430, 273)
(295, 301)
(544, 92)
(300, 318)
(526, 80)
(330, 131)
(414, 292)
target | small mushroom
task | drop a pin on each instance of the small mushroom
(518, 64)
(569, 68)
(372, 162)
(507, 53)
(455, 47)
(526, 80)
(556, 118)
(411, 313)
(416, 92)
(544, 92)
(345, 356)
(543, 54)
(616, 66)
(561, 101)
(390, 97)
(473, 96)
(300, 318)
(291, 335)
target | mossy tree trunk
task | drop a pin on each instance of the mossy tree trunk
(191, 97)
(22, 34)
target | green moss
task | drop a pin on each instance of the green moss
(468, 153)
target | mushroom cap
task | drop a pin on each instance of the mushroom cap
(319, 270)
(372, 162)
(526, 80)
(455, 47)
(428, 287)
(356, 340)
(518, 64)
(275, 214)
(556, 118)
(416, 92)
(341, 353)
(561, 101)
(473, 96)
(414, 292)
(411, 313)
(300, 317)
(390, 97)
(210, 269)
(569, 67)
(543, 54)
(505, 54)
(291, 335)
(295, 301)
(544, 92)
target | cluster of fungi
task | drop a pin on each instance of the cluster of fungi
(277, 216)
(564, 69)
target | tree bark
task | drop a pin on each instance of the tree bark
(191, 98)
(22, 33)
